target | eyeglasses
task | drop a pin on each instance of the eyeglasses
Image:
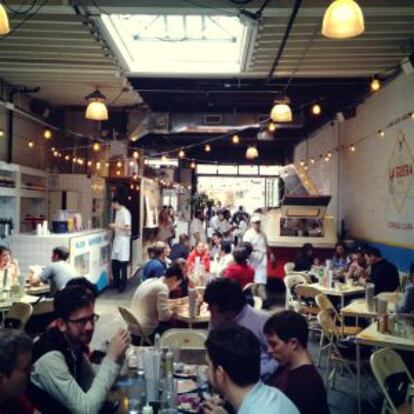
(84, 321)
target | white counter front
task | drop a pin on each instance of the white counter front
(89, 252)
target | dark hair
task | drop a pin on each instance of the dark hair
(217, 234)
(158, 248)
(71, 299)
(198, 214)
(225, 246)
(84, 283)
(237, 350)
(248, 246)
(174, 271)
(240, 255)
(372, 251)
(12, 344)
(4, 249)
(183, 238)
(288, 325)
(343, 245)
(226, 294)
(180, 261)
(61, 252)
(116, 199)
(306, 247)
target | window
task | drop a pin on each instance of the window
(180, 43)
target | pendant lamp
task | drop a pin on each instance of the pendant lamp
(96, 109)
(4, 21)
(252, 153)
(343, 19)
(281, 112)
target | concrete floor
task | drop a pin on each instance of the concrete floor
(341, 400)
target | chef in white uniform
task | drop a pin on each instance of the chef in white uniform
(258, 258)
(121, 244)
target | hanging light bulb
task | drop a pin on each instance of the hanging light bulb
(305, 167)
(30, 144)
(67, 157)
(302, 163)
(375, 84)
(131, 163)
(252, 153)
(192, 165)
(53, 149)
(119, 164)
(271, 127)
(316, 109)
(235, 139)
(343, 19)
(312, 160)
(352, 148)
(164, 158)
(381, 133)
(135, 155)
(412, 115)
(47, 133)
(326, 158)
(207, 148)
(118, 173)
(55, 153)
(74, 160)
(107, 164)
(135, 177)
(329, 154)
(96, 109)
(98, 165)
(281, 112)
(181, 154)
(80, 161)
(1, 132)
(96, 146)
(4, 21)
(89, 163)
(146, 161)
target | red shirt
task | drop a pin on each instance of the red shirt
(241, 273)
(204, 259)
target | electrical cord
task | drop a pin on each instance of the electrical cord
(18, 11)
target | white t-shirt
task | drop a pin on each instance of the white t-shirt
(224, 227)
(197, 226)
(214, 223)
(258, 258)
(121, 244)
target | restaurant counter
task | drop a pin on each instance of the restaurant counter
(89, 252)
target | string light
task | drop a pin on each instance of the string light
(281, 112)
(192, 165)
(181, 154)
(80, 161)
(352, 148)
(316, 109)
(89, 163)
(381, 133)
(412, 115)
(207, 148)
(326, 158)
(118, 173)
(74, 160)
(302, 163)
(135, 177)
(271, 127)
(67, 157)
(135, 155)
(98, 165)
(312, 160)
(107, 164)
(131, 163)
(30, 144)
(375, 85)
(96, 146)
(47, 133)
(55, 153)
(235, 139)
(131, 186)
(4, 21)
(306, 167)
(252, 153)
(119, 164)
(146, 161)
(329, 154)
(1, 132)
(53, 149)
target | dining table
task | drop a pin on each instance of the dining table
(372, 337)
(183, 315)
(7, 302)
(345, 291)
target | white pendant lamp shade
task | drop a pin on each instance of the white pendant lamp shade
(281, 112)
(252, 153)
(343, 19)
(96, 109)
(4, 21)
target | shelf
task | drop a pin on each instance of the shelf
(8, 192)
(32, 194)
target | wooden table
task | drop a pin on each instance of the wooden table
(342, 293)
(358, 308)
(183, 315)
(5, 305)
(38, 290)
(371, 336)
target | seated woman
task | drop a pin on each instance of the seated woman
(9, 268)
(358, 265)
(199, 254)
(406, 304)
(340, 259)
(240, 271)
(305, 259)
(186, 282)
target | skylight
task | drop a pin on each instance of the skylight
(179, 44)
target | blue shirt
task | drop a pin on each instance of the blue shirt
(406, 305)
(266, 400)
(153, 268)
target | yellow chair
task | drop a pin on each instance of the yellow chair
(258, 302)
(289, 267)
(184, 339)
(386, 363)
(307, 292)
(18, 315)
(134, 326)
(290, 282)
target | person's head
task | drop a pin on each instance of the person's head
(167, 250)
(184, 239)
(201, 247)
(173, 277)
(227, 214)
(372, 255)
(217, 238)
(307, 250)
(225, 248)
(84, 283)
(199, 214)
(358, 257)
(5, 256)
(220, 214)
(182, 263)
(164, 216)
(158, 250)
(74, 308)
(60, 253)
(248, 246)
(241, 208)
(225, 299)
(256, 222)
(341, 249)
(116, 203)
(233, 358)
(240, 255)
(287, 334)
(15, 363)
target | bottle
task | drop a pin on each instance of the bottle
(157, 342)
(168, 400)
(142, 386)
(320, 275)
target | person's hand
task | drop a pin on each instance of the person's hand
(213, 406)
(362, 281)
(118, 345)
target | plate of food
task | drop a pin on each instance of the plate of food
(185, 386)
(189, 403)
(185, 371)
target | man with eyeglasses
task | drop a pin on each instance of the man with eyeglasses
(63, 380)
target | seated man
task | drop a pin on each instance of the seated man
(156, 266)
(62, 380)
(358, 265)
(150, 302)
(233, 359)
(58, 273)
(227, 305)
(240, 271)
(384, 275)
(181, 250)
(406, 305)
(287, 333)
(15, 364)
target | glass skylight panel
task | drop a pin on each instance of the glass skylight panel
(179, 43)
